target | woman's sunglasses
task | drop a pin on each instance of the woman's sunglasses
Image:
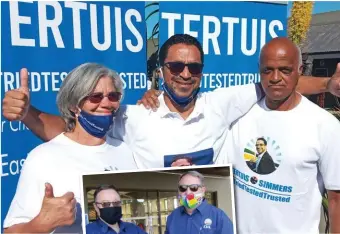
(193, 187)
(98, 97)
(177, 67)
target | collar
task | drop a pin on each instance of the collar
(199, 209)
(260, 155)
(105, 228)
(164, 111)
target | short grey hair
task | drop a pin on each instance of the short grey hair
(193, 174)
(78, 84)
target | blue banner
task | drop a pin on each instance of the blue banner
(52, 38)
(232, 35)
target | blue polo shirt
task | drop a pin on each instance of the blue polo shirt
(99, 227)
(206, 219)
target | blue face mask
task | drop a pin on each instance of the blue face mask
(95, 125)
(181, 101)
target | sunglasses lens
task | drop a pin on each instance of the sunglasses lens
(95, 97)
(194, 188)
(182, 188)
(114, 96)
(176, 67)
(106, 204)
(195, 68)
(98, 97)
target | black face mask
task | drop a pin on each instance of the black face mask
(111, 215)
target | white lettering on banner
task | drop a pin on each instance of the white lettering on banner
(133, 80)
(11, 167)
(39, 81)
(223, 80)
(187, 19)
(211, 33)
(171, 17)
(16, 20)
(51, 81)
(230, 21)
(2, 125)
(47, 23)
(14, 126)
(118, 26)
(244, 37)
(133, 29)
(76, 7)
(94, 28)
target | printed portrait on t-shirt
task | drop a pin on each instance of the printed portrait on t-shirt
(262, 155)
(202, 157)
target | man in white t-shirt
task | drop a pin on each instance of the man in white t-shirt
(187, 123)
(302, 140)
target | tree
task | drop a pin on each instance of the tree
(299, 21)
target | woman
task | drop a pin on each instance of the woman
(49, 190)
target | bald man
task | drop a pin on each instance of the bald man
(302, 139)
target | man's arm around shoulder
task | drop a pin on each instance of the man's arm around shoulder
(309, 85)
(334, 210)
(45, 126)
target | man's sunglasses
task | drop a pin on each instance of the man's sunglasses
(177, 67)
(98, 97)
(193, 187)
(109, 204)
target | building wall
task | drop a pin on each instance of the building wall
(324, 65)
(163, 182)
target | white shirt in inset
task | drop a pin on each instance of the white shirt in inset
(60, 162)
(303, 143)
(158, 139)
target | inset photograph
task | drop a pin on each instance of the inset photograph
(188, 200)
(262, 155)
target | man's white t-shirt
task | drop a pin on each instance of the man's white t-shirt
(60, 162)
(157, 139)
(303, 144)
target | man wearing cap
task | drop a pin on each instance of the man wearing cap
(196, 215)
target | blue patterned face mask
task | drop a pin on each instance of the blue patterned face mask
(181, 101)
(95, 125)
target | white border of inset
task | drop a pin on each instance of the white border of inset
(82, 198)
(0, 122)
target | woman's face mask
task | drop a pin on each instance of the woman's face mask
(95, 125)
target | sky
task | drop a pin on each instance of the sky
(319, 7)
